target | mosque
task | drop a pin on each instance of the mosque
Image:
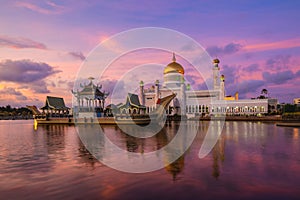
(197, 103)
(90, 99)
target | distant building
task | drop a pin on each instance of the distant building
(297, 101)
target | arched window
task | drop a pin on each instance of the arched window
(134, 111)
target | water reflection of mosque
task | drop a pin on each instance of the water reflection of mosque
(56, 143)
(60, 143)
(218, 154)
(163, 138)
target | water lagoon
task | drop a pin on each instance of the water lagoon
(250, 160)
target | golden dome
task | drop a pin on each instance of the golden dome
(217, 61)
(174, 67)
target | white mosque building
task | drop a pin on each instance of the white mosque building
(197, 103)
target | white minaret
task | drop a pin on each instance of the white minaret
(142, 93)
(183, 97)
(222, 87)
(216, 70)
(156, 90)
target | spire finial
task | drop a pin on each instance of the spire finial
(174, 58)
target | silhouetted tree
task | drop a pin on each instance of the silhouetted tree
(264, 92)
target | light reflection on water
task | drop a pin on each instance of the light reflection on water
(250, 160)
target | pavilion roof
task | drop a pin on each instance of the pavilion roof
(56, 103)
(91, 89)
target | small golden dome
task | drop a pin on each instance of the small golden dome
(174, 67)
(222, 78)
(217, 61)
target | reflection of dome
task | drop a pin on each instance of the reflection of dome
(174, 67)
(217, 61)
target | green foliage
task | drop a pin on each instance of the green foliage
(9, 111)
(290, 108)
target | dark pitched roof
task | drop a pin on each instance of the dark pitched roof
(55, 103)
(132, 100)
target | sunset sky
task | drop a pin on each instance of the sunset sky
(43, 43)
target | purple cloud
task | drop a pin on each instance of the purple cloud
(225, 50)
(30, 74)
(39, 87)
(13, 92)
(231, 74)
(25, 71)
(249, 85)
(278, 62)
(278, 77)
(10, 91)
(113, 86)
(20, 43)
(77, 55)
(251, 68)
(232, 85)
(245, 87)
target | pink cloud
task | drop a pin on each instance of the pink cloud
(78, 55)
(284, 44)
(48, 8)
(20, 43)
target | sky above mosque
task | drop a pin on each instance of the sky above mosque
(44, 43)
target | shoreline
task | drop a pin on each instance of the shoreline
(109, 121)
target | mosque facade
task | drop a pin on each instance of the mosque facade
(193, 103)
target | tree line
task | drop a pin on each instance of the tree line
(8, 112)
